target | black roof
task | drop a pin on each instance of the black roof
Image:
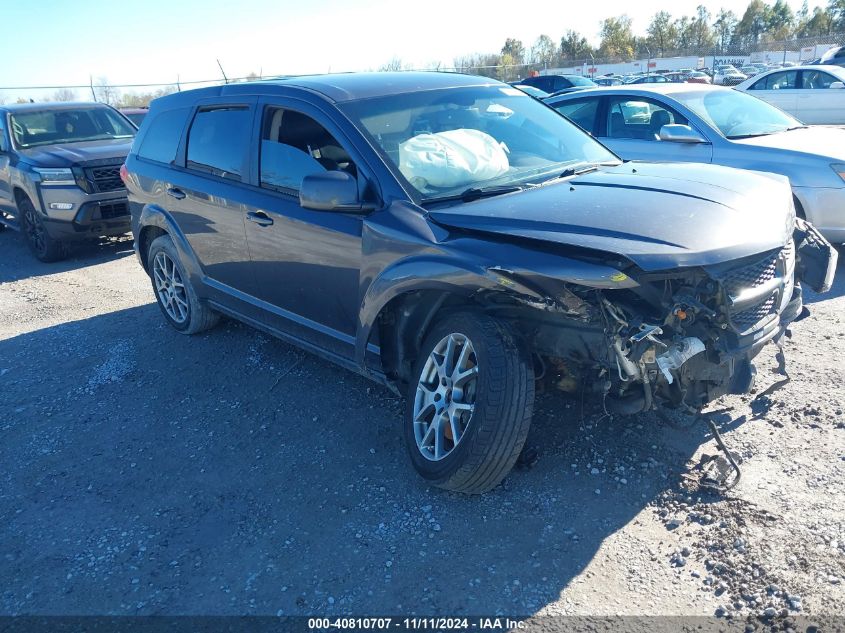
(50, 105)
(342, 86)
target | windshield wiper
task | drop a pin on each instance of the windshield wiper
(474, 193)
(578, 169)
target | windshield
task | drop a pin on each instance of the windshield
(50, 127)
(736, 114)
(445, 141)
(580, 81)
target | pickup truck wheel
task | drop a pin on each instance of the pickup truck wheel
(173, 290)
(44, 247)
(469, 409)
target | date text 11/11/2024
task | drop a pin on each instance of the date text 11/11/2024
(416, 624)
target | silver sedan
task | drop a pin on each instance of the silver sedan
(712, 124)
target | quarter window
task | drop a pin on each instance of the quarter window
(293, 145)
(218, 141)
(163, 135)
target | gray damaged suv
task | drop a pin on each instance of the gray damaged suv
(457, 240)
(60, 173)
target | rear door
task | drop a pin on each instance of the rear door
(780, 89)
(631, 126)
(817, 101)
(207, 196)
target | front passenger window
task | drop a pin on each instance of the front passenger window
(639, 119)
(293, 145)
(816, 79)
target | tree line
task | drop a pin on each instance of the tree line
(726, 32)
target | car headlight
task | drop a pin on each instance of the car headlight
(55, 176)
(839, 168)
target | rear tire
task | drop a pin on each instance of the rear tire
(174, 292)
(469, 360)
(44, 247)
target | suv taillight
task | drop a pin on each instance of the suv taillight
(124, 174)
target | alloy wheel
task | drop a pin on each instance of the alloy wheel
(35, 230)
(170, 287)
(445, 396)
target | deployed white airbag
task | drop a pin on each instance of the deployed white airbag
(452, 158)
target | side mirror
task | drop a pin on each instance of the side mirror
(837, 84)
(331, 191)
(675, 133)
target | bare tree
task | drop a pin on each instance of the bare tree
(64, 94)
(106, 93)
(393, 65)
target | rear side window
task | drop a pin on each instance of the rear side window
(582, 113)
(777, 81)
(163, 135)
(219, 139)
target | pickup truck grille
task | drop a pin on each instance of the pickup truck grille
(111, 210)
(105, 178)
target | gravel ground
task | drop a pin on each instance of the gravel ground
(145, 472)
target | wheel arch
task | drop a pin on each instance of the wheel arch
(154, 222)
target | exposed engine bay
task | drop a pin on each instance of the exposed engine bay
(681, 338)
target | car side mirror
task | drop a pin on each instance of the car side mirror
(331, 191)
(837, 84)
(676, 133)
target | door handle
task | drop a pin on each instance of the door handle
(173, 192)
(260, 218)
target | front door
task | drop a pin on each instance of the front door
(306, 264)
(632, 130)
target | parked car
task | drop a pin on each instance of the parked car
(449, 236)
(531, 90)
(136, 115)
(607, 81)
(834, 57)
(709, 124)
(676, 77)
(749, 71)
(727, 76)
(59, 179)
(813, 94)
(697, 77)
(648, 79)
(557, 84)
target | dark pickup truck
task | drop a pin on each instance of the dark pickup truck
(60, 173)
(457, 240)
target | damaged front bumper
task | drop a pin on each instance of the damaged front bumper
(712, 325)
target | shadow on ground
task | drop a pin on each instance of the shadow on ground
(148, 472)
(17, 262)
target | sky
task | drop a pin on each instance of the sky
(56, 42)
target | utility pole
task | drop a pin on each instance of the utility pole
(91, 83)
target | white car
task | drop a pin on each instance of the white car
(813, 94)
(727, 76)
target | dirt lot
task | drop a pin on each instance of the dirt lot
(145, 472)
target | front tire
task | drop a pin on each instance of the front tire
(44, 247)
(174, 292)
(469, 403)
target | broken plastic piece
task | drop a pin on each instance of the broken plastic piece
(677, 355)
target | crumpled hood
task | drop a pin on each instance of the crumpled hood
(818, 141)
(77, 153)
(660, 216)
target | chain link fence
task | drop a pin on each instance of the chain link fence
(794, 50)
